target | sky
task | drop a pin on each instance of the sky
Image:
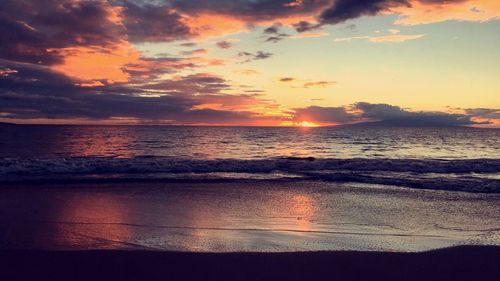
(250, 62)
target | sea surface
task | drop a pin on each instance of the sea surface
(231, 189)
(465, 159)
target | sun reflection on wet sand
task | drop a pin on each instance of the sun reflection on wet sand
(302, 207)
(241, 217)
(90, 221)
(228, 222)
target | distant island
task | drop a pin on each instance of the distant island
(401, 123)
(7, 124)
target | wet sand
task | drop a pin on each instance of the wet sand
(264, 230)
(474, 263)
(251, 216)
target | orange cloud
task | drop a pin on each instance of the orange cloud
(210, 25)
(319, 84)
(207, 25)
(247, 72)
(469, 10)
(396, 38)
(97, 63)
(310, 34)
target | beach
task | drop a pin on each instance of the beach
(460, 263)
(248, 204)
(243, 216)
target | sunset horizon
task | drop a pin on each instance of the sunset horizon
(257, 63)
(250, 140)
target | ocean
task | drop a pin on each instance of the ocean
(464, 159)
(233, 189)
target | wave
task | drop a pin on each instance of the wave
(476, 175)
(154, 164)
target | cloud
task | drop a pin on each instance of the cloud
(486, 113)
(318, 84)
(305, 26)
(224, 44)
(395, 38)
(193, 84)
(324, 115)
(411, 12)
(153, 23)
(343, 10)
(307, 84)
(398, 116)
(259, 55)
(274, 29)
(82, 59)
(431, 11)
(188, 44)
(310, 34)
(390, 115)
(36, 92)
(33, 31)
(251, 10)
(276, 38)
(247, 72)
(273, 34)
(200, 51)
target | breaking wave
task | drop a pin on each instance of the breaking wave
(475, 175)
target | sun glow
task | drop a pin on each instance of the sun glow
(307, 124)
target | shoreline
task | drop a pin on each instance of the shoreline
(244, 216)
(457, 263)
(485, 186)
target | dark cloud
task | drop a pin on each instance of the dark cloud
(397, 116)
(36, 37)
(343, 10)
(249, 10)
(148, 69)
(273, 34)
(195, 84)
(259, 55)
(327, 115)
(153, 23)
(277, 38)
(188, 44)
(224, 44)
(31, 31)
(390, 115)
(274, 29)
(200, 51)
(287, 79)
(36, 92)
(486, 113)
(304, 26)
(352, 27)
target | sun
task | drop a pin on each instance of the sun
(307, 124)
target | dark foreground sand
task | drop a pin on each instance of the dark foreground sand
(460, 263)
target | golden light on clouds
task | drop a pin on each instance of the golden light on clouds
(91, 64)
(471, 10)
